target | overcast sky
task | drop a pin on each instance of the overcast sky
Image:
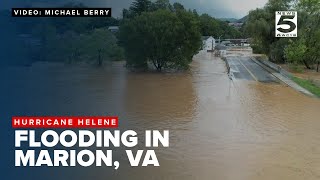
(216, 8)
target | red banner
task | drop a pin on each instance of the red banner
(65, 122)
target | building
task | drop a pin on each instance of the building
(208, 43)
(226, 43)
(113, 29)
(221, 50)
(236, 25)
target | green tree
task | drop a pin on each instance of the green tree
(309, 25)
(209, 26)
(260, 26)
(178, 6)
(14, 49)
(95, 46)
(161, 38)
(70, 47)
(216, 28)
(295, 52)
(140, 6)
(101, 45)
(49, 42)
(304, 49)
(162, 4)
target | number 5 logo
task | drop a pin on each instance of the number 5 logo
(286, 24)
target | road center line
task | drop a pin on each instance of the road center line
(254, 77)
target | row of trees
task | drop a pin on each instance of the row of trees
(69, 39)
(165, 35)
(217, 28)
(209, 26)
(151, 33)
(77, 39)
(94, 46)
(302, 50)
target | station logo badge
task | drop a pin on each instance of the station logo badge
(286, 24)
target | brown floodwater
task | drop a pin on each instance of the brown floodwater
(219, 129)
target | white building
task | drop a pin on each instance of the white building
(113, 28)
(208, 43)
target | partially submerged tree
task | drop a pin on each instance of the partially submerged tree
(101, 45)
(162, 38)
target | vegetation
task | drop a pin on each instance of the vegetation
(217, 28)
(161, 38)
(69, 39)
(151, 33)
(12, 50)
(77, 39)
(209, 26)
(308, 84)
(165, 35)
(302, 50)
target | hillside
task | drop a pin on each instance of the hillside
(234, 20)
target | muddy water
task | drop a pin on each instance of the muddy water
(220, 129)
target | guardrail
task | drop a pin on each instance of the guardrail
(275, 67)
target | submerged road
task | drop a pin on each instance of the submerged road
(245, 68)
(218, 129)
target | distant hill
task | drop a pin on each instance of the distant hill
(243, 20)
(234, 20)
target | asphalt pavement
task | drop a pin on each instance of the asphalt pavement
(244, 68)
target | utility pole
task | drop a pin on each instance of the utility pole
(219, 39)
(212, 45)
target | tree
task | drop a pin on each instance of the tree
(70, 47)
(194, 11)
(178, 6)
(100, 45)
(161, 38)
(139, 6)
(303, 49)
(209, 26)
(295, 52)
(216, 28)
(97, 46)
(14, 48)
(309, 30)
(162, 4)
(126, 14)
(260, 26)
(49, 42)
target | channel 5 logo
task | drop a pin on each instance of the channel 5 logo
(286, 24)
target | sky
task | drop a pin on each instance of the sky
(215, 8)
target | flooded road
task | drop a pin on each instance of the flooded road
(219, 129)
(243, 67)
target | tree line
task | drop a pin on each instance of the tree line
(157, 33)
(56, 39)
(301, 50)
(166, 35)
